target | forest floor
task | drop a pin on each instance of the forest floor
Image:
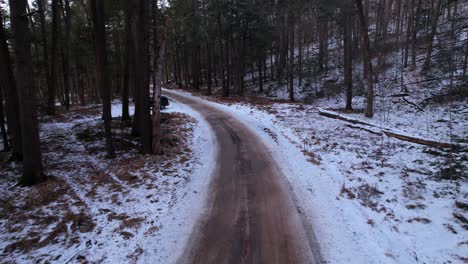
(97, 210)
(369, 198)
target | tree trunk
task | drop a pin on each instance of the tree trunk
(6, 146)
(97, 11)
(156, 118)
(32, 159)
(465, 61)
(11, 96)
(409, 29)
(54, 58)
(367, 59)
(415, 35)
(435, 18)
(140, 46)
(348, 55)
(291, 22)
(260, 73)
(300, 39)
(224, 80)
(45, 48)
(66, 56)
(127, 69)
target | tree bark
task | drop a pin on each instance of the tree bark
(32, 159)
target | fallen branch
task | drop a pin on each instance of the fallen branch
(413, 104)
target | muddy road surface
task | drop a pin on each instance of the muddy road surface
(250, 214)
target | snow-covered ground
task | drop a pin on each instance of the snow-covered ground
(368, 198)
(134, 208)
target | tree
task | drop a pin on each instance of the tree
(8, 85)
(291, 21)
(156, 118)
(435, 18)
(32, 160)
(139, 23)
(348, 50)
(54, 59)
(97, 13)
(45, 50)
(367, 59)
(6, 145)
(127, 81)
(66, 54)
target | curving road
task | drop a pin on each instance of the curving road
(250, 215)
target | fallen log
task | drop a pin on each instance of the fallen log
(420, 141)
(389, 133)
(330, 114)
(368, 129)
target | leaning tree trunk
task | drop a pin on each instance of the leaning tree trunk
(32, 159)
(97, 12)
(367, 59)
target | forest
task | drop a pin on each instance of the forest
(83, 128)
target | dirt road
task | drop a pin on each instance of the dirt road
(250, 215)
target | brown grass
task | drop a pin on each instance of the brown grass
(345, 192)
(132, 222)
(422, 220)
